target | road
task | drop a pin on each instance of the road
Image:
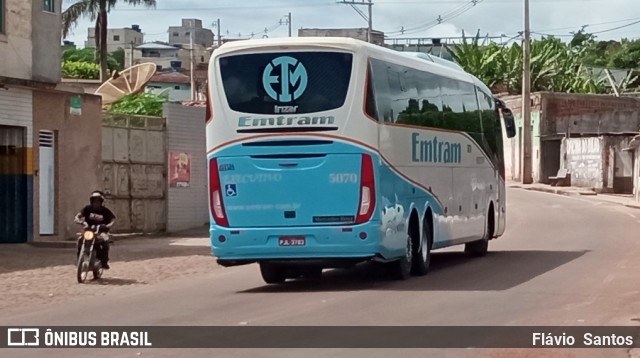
(562, 261)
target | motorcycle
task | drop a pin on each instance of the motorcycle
(87, 260)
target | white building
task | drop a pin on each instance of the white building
(117, 38)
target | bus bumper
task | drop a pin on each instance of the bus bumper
(310, 245)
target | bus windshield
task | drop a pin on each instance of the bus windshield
(286, 82)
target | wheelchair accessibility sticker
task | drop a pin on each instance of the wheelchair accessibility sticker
(230, 190)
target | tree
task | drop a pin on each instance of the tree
(96, 10)
(114, 62)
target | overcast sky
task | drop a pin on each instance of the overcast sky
(496, 17)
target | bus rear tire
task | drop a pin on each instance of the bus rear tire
(401, 268)
(273, 274)
(422, 254)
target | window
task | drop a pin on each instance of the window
(491, 128)
(175, 34)
(176, 87)
(187, 33)
(49, 5)
(2, 16)
(116, 37)
(295, 82)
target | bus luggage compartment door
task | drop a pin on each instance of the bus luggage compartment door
(290, 190)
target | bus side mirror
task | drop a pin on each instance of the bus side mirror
(509, 122)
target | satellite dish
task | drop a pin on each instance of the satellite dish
(130, 81)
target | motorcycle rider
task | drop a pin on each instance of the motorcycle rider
(96, 214)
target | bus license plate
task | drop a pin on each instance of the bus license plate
(292, 241)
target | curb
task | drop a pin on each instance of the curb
(561, 192)
(65, 244)
(575, 193)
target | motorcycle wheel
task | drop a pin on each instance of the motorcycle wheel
(83, 268)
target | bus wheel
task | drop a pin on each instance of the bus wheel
(481, 247)
(402, 268)
(273, 274)
(422, 258)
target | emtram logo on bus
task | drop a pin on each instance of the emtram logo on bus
(290, 74)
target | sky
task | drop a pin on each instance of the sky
(610, 19)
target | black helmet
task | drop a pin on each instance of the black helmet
(97, 195)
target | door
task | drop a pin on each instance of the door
(47, 182)
(550, 159)
(13, 185)
(623, 172)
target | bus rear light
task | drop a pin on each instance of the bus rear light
(363, 235)
(221, 238)
(215, 201)
(367, 190)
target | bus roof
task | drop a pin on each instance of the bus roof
(350, 44)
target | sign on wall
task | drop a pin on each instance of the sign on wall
(179, 170)
(75, 105)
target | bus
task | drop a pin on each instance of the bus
(328, 152)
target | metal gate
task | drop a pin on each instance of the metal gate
(13, 185)
(134, 172)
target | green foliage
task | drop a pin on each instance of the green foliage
(145, 104)
(118, 58)
(555, 66)
(115, 60)
(80, 70)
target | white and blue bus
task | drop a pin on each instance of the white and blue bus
(325, 152)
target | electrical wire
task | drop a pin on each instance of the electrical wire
(439, 20)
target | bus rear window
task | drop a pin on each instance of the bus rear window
(286, 82)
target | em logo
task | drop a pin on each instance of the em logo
(290, 74)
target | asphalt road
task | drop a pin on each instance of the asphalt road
(562, 261)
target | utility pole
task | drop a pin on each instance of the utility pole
(526, 162)
(131, 56)
(286, 21)
(219, 38)
(369, 19)
(193, 82)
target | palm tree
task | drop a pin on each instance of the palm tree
(97, 11)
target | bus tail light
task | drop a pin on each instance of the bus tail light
(209, 109)
(367, 190)
(215, 192)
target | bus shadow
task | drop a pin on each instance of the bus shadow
(449, 271)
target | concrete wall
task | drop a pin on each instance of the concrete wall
(46, 43)
(16, 50)
(180, 35)
(585, 159)
(188, 207)
(78, 155)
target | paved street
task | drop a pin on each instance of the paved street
(563, 261)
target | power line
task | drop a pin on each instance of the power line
(637, 21)
(440, 19)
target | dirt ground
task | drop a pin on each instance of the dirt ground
(35, 275)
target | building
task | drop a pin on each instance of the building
(117, 38)
(435, 48)
(357, 33)
(585, 134)
(166, 56)
(68, 45)
(190, 29)
(47, 134)
(176, 84)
